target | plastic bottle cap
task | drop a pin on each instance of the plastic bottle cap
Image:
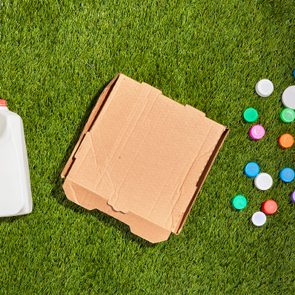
(256, 132)
(258, 218)
(239, 202)
(294, 73)
(286, 141)
(264, 88)
(263, 181)
(288, 97)
(269, 207)
(287, 174)
(292, 197)
(250, 115)
(252, 169)
(3, 102)
(287, 115)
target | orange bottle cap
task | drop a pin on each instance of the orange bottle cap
(286, 141)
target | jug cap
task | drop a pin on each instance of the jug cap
(3, 102)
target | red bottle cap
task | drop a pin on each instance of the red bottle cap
(269, 207)
(3, 103)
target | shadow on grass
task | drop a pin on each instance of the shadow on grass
(11, 219)
(60, 196)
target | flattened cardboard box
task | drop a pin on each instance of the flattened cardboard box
(142, 158)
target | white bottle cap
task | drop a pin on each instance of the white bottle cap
(263, 181)
(258, 218)
(264, 88)
(288, 97)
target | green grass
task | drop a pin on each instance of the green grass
(55, 56)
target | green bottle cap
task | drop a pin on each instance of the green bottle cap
(239, 202)
(287, 115)
(250, 115)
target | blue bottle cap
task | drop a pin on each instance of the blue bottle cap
(252, 169)
(287, 174)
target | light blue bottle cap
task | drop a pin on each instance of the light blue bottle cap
(252, 169)
(287, 175)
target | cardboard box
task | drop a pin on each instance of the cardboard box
(142, 158)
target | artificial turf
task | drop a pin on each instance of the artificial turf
(56, 56)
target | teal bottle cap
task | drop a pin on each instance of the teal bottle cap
(239, 202)
(250, 115)
(287, 115)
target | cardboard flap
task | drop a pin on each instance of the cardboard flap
(138, 225)
(102, 98)
(197, 175)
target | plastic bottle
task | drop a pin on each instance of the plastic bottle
(15, 188)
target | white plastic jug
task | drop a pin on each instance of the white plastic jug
(15, 188)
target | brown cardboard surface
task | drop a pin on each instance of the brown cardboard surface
(142, 158)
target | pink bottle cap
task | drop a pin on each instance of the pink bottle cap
(256, 132)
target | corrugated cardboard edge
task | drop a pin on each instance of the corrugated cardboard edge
(98, 106)
(202, 178)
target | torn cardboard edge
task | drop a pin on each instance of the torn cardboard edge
(150, 227)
